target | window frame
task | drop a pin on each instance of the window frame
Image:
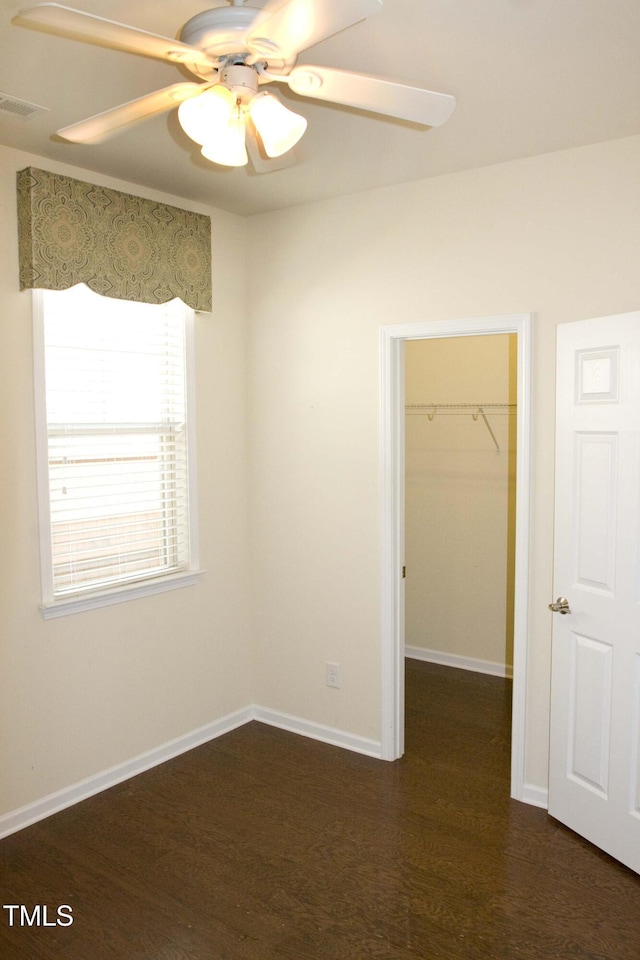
(51, 606)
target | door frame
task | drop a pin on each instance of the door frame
(393, 338)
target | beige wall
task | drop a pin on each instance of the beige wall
(85, 692)
(558, 236)
(460, 499)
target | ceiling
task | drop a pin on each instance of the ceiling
(530, 77)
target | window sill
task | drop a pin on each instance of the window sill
(62, 608)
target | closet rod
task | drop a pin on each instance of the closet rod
(455, 409)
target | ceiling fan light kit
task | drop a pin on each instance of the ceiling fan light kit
(207, 115)
(216, 118)
(233, 51)
(230, 149)
(279, 128)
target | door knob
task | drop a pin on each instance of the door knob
(560, 606)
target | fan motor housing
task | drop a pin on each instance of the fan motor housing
(241, 80)
(221, 33)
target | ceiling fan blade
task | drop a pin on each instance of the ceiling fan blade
(372, 93)
(297, 24)
(77, 25)
(104, 125)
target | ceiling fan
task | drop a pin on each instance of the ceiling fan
(234, 51)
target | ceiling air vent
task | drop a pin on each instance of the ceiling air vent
(19, 108)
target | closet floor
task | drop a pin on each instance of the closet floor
(262, 845)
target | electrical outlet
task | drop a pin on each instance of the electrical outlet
(333, 674)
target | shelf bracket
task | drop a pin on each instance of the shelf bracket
(482, 414)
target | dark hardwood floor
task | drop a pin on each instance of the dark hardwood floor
(265, 845)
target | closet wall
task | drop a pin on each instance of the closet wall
(460, 500)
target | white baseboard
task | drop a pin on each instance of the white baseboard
(536, 796)
(317, 731)
(462, 663)
(68, 796)
(75, 793)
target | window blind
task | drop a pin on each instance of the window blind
(117, 440)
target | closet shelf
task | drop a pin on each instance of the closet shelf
(474, 410)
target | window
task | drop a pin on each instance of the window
(115, 453)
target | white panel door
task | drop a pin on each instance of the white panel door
(594, 775)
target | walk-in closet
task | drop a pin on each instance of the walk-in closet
(460, 469)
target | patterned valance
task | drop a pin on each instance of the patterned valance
(117, 244)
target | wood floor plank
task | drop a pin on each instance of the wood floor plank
(262, 845)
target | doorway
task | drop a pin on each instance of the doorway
(394, 338)
(460, 490)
